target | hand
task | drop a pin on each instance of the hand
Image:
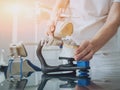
(51, 28)
(55, 17)
(85, 51)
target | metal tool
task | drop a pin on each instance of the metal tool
(81, 65)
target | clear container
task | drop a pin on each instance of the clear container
(3, 58)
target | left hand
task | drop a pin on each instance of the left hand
(84, 51)
(60, 15)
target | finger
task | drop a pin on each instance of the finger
(88, 56)
(80, 56)
(83, 45)
(52, 28)
(84, 52)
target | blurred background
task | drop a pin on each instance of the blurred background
(26, 21)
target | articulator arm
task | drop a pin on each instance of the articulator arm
(82, 66)
(65, 30)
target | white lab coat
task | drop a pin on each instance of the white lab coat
(88, 16)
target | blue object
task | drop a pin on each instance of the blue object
(21, 65)
(36, 68)
(83, 73)
(82, 63)
(84, 82)
(10, 66)
(85, 65)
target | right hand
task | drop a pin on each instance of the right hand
(85, 51)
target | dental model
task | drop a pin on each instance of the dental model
(67, 53)
(63, 37)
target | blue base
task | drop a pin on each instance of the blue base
(82, 63)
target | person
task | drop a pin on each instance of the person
(95, 28)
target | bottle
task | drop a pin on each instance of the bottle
(2, 58)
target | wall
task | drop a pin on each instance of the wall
(26, 27)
